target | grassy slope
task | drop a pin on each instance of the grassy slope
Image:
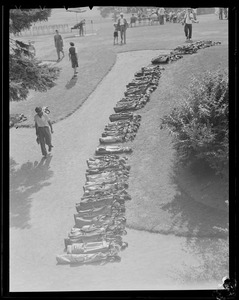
(165, 198)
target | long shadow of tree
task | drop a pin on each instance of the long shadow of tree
(193, 217)
(25, 181)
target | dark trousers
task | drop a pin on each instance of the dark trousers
(188, 30)
(123, 33)
(220, 14)
(161, 19)
(44, 138)
(81, 31)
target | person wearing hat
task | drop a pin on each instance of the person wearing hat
(123, 25)
(42, 124)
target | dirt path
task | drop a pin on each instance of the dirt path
(43, 197)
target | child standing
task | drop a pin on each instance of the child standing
(115, 33)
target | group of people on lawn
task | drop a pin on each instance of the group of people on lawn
(189, 17)
(121, 26)
(222, 12)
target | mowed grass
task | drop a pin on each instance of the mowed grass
(166, 198)
(97, 55)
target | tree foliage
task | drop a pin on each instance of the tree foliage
(26, 72)
(200, 126)
(105, 11)
(22, 19)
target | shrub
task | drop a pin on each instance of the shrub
(200, 125)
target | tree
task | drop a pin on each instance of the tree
(106, 10)
(26, 72)
(199, 126)
(22, 19)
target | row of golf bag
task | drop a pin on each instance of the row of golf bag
(124, 123)
(100, 219)
(138, 91)
(181, 50)
(193, 47)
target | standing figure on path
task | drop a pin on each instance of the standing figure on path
(161, 15)
(81, 24)
(42, 124)
(225, 12)
(133, 20)
(73, 57)
(59, 45)
(115, 33)
(123, 25)
(187, 22)
(220, 13)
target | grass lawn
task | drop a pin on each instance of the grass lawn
(97, 55)
(165, 198)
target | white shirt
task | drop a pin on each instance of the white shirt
(121, 21)
(189, 18)
(161, 11)
(43, 121)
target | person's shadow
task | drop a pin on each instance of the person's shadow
(71, 83)
(24, 181)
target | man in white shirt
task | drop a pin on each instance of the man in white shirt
(188, 20)
(161, 15)
(42, 124)
(123, 25)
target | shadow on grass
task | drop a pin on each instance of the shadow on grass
(197, 207)
(25, 181)
(71, 83)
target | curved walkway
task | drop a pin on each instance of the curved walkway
(43, 197)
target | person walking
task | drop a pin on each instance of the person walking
(123, 25)
(187, 22)
(73, 58)
(225, 12)
(82, 24)
(58, 44)
(220, 13)
(42, 124)
(133, 20)
(161, 15)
